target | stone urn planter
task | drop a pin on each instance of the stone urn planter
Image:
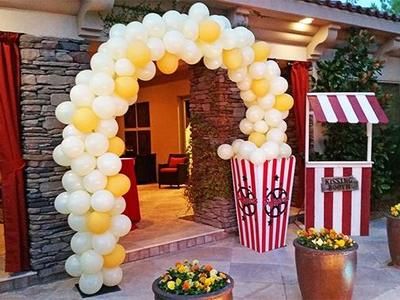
(393, 234)
(222, 294)
(325, 274)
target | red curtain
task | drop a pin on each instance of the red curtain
(300, 84)
(11, 163)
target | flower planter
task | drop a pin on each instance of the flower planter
(325, 274)
(393, 233)
(222, 294)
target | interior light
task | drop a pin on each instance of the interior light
(306, 20)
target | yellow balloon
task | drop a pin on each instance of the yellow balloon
(126, 86)
(260, 87)
(232, 58)
(209, 31)
(139, 54)
(118, 184)
(115, 258)
(284, 102)
(116, 145)
(257, 138)
(261, 51)
(98, 222)
(85, 120)
(168, 64)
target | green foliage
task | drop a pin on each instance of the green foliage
(353, 70)
(210, 176)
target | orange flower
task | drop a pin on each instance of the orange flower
(208, 268)
(186, 285)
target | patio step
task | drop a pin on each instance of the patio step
(175, 246)
(17, 281)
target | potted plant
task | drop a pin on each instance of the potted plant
(190, 280)
(393, 233)
(326, 264)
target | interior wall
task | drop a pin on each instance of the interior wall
(165, 116)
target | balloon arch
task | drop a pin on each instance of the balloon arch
(94, 187)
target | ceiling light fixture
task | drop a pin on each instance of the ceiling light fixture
(307, 21)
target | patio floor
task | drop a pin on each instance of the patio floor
(257, 276)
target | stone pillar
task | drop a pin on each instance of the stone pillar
(48, 70)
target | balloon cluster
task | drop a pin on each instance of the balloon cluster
(94, 187)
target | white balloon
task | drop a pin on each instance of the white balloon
(102, 201)
(61, 203)
(257, 70)
(119, 206)
(238, 74)
(250, 104)
(72, 146)
(81, 95)
(258, 156)
(173, 19)
(225, 151)
(247, 55)
(120, 225)
(236, 144)
(132, 100)
(77, 222)
(102, 62)
(118, 49)
(278, 85)
(117, 30)
(271, 150)
(228, 39)
(83, 77)
(81, 242)
(173, 41)
(71, 130)
(71, 182)
(285, 114)
(190, 29)
(102, 84)
(260, 126)
(276, 135)
(108, 127)
(124, 67)
(191, 54)
(104, 107)
(79, 202)
(103, 48)
(244, 37)
(223, 21)
(246, 148)
(266, 102)
(212, 63)
(84, 164)
(285, 150)
(198, 11)
(273, 69)
(121, 106)
(148, 72)
(60, 158)
(154, 24)
(273, 117)
(96, 144)
(248, 96)
(254, 113)
(136, 31)
(90, 283)
(211, 50)
(112, 276)
(156, 47)
(104, 243)
(246, 126)
(94, 181)
(65, 111)
(91, 262)
(73, 266)
(282, 126)
(245, 84)
(109, 164)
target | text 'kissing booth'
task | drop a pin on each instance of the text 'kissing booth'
(337, 193)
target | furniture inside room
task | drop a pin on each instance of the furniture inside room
(175, 172)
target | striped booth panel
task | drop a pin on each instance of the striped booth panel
(263, 196)
(345, 211)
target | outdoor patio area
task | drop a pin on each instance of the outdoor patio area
(257, 276)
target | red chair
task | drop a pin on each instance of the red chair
(175, 172)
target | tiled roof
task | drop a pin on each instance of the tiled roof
(356, 9)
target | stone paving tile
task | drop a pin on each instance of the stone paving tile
(268, 276)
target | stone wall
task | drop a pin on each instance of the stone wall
(48, 72)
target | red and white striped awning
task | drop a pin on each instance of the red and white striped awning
(347, 108)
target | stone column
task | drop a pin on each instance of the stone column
(48, 72)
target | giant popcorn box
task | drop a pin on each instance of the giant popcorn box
(262, 197)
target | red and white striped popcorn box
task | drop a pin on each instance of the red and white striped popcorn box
(262, 197)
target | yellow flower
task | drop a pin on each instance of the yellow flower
(178, 281)
(340, 243)
(208, 282)
(182, 269)
(171, 285)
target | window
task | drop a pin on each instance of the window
(137, 129)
